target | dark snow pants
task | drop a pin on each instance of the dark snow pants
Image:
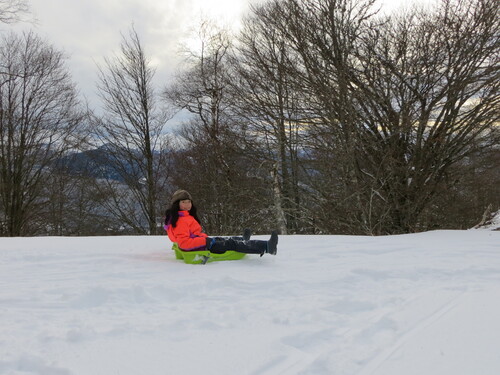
(220, 245)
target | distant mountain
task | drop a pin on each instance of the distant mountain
(97, 163)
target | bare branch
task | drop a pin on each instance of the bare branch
(12, 11)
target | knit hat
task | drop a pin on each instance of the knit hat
(180, 195)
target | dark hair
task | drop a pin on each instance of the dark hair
(172, 214)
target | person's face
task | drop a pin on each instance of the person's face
(185, 205)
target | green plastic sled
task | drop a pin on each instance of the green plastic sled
(204, 256)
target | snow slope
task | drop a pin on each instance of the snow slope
(424, 303)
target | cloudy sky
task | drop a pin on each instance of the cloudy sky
(90, 30)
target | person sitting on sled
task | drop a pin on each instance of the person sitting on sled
(183, 227)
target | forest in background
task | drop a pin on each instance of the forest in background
(320, 116)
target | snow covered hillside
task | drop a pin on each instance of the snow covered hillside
(417, 304)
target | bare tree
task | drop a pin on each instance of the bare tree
(268, 97)
(76, 200)
(427, 88)
(469, 194)
(40, 120)
(392, 103)
(131, 131)
(322, 36)
(211, 139)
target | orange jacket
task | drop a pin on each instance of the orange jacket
(187, 233)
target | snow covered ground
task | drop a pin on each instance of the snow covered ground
(417, 304)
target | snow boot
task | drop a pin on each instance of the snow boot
(247, 233)
(272, 244)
